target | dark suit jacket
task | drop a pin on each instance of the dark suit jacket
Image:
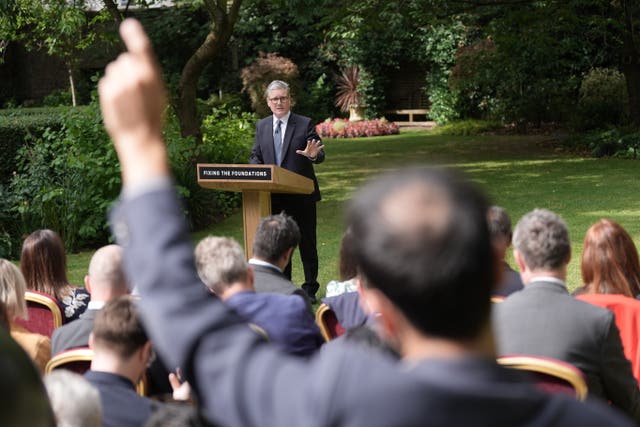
(285, 318)
(74, 334)
(270, 280)
(299, 130)
(544, 320)
(242, 381)
(121, 405)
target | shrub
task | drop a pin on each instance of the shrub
(266, 68)
(342, 128)
(67, 179)
(603, 99)
(467, 127)
(18, 127)
(227, 137)
(605, 143)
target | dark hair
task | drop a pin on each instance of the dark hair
(499, 223)
(118, 327)
(275, 234)
(610, 260)
(348, 265)
(44, 263)
(421, 238)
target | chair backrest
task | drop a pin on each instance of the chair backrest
(627, 317)
(78, 360)
(550, 375)
(44, 313)
(328, 322)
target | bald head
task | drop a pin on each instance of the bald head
(106, 279)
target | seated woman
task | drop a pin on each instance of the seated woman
(12, 288)
(44, 265)
(611, 274)
(347, 268)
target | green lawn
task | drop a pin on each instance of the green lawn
(518, 172)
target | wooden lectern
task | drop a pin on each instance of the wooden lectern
(256, 182)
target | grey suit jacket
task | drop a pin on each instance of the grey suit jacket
(240, 380)
(544, 320)
(270, 280)
(74, 334)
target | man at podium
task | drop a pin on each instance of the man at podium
(290, 141)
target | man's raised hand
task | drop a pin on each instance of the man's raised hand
(133, 101)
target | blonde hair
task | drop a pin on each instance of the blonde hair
(12, 289)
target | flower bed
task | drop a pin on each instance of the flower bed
(342, 128)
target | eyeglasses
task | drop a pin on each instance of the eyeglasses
(279, 99)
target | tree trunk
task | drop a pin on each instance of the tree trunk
(630, 64)
(72, 86)
(223, 18)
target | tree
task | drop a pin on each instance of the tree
(223, 15)
(64, 29)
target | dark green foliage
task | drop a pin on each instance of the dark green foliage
(603, 100)
(18, 127)
(67, 179)
(618, 142)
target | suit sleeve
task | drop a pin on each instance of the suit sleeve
(238, 379)
(619, 383)
(256, 152)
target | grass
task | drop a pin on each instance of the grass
(518, 172)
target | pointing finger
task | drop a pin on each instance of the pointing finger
(135, 39)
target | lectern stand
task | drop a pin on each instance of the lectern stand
(256, 182)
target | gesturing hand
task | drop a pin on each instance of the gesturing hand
(314, 146)
(133, 100)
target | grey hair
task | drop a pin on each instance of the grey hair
(74, 401)
(275, 85)
(542, 239)
(220, 262)
(499, 223)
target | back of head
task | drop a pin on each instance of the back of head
(348, 266)
(43, 262)
(12, 289)
(421, 238)
(610, 260)
(106, 272)
(220, 262)
(118, 329)
(274, 236)
(499, 223)
(542, 239)
(24, 401)
(75, 402)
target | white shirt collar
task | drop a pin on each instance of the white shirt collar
(264, 264)
(284, 119)
(547, 279)
(95, 305)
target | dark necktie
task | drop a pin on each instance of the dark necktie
(277, 142)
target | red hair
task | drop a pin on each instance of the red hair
(610, 260)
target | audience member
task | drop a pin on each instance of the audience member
(544, 320)
(105, 281)
(611, 275)
(75, 402)
(121, 355)
(610, 262)
(24, 401)
(276, 238)
(176, 415)
(426, 264)
(348, 269)
(44, 265)
(500, 229)
(12, 288)
(285, 318)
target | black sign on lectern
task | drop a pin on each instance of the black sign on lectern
(235, 173)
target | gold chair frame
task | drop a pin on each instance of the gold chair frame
(558, 369)
(48, 302)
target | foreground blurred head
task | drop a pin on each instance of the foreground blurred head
(421, 238)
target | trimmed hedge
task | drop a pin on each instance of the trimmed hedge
(18, 127)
